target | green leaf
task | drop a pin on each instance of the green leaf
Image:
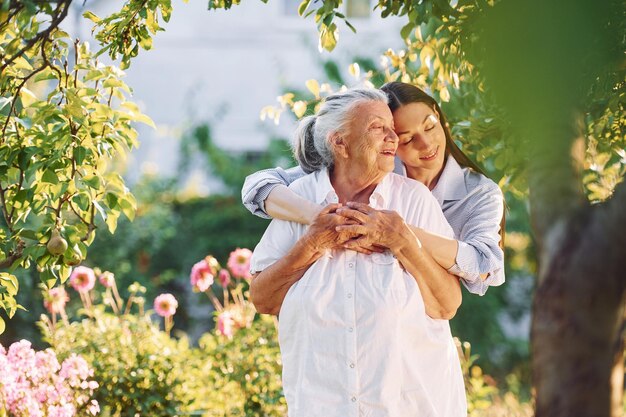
(93, 182)
(89, 15)
(64, 273)
(47, 278)
(79, 154)
(50, 177)
(2, 325)
(303, 6)
(111, 222)
(10, 282)
(100, 209)
(111, 200)
(5, 101)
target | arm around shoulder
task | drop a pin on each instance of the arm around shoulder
(259, 185)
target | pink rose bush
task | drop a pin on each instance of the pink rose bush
(233, 310)
(35, 384)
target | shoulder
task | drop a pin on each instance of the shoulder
(305, 186)
(399, 184)
(480, 185)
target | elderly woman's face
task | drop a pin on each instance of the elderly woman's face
(422, 139)
(371, 140)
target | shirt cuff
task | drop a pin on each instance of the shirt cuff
(468, 268)
(255, 203)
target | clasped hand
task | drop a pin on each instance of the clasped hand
(372, 230)
(358, 227)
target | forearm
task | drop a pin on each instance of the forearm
(441, 291)
(442, 249)
(269, 287)
(284, 204)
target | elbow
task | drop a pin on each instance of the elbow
(442, 313)
(265, 309)
(447, 310)
(261, 303)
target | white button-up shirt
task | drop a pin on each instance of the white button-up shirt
(353, 332)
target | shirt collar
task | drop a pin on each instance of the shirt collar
(451, 183)
(325, 193)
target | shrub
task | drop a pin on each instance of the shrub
(35, 384)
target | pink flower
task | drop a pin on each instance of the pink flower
(239, 263)
(55, 300)
(107, 279)
(82, 279)
(201, 276)
(224, 277)
(225, 324)
(165, 305)
(34, 384)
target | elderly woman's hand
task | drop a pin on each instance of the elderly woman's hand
(373, 229)
(323, 233)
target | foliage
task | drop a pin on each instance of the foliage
(63, 117)
(132, 27)
(144, 370)
(36, 384)
(139, 368)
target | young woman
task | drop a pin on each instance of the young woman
(472, 203)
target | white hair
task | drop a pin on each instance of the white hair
(311, 145)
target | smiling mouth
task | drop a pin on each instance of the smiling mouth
(389, 152)
(430, 156)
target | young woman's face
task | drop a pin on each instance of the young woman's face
(422, 141)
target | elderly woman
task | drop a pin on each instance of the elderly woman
(354, 333)
(471, 202)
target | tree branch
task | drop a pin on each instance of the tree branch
(60, 15)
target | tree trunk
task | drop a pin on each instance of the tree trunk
(578, 314)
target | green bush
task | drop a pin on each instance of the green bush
(247, 365)
(140, 369)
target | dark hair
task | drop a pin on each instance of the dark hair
(401, 94)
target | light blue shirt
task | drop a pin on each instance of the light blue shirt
(472, 203)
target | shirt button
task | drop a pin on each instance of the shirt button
(350, 264)
(353, 399)
(349, 295)
(351, 365)
(350, 329)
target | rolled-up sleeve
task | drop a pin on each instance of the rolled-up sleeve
(479, 251)
(259, 185)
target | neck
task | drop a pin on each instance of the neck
(352, 185)
(428, 177)
(423, 176)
